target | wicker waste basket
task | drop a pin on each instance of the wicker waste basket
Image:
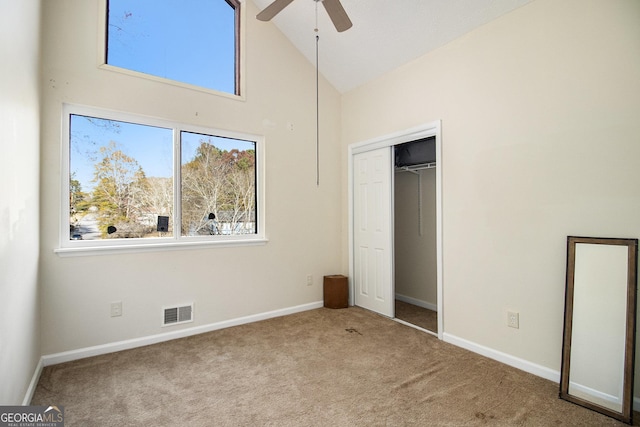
(336, 291)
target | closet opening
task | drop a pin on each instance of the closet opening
(415, 235)
(386, 222)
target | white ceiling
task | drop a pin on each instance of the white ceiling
(385, 33)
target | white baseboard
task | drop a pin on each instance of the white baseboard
(505, 358)
(67, 356)
(418, 302)
(33, 384)
(516, 362)
(593, 395)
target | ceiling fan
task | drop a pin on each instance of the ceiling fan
(333, 7)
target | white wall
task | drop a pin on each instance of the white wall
(19, 205)
(303, 221)
(540, 122)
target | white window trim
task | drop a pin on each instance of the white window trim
(102, 58)
(69, 247)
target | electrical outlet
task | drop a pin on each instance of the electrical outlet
(116, 309)
(513, 319)
(309, 279)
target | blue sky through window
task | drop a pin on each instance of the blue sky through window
(150, 146)
(189, 143)
(190, 41)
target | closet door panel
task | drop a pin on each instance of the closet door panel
(373, 247)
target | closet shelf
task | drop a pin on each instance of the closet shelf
(418, 167)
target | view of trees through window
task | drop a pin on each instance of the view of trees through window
(121, 182)
(219, 182)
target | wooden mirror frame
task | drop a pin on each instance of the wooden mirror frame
(626, 414)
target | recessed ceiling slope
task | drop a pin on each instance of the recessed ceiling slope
(385, 33)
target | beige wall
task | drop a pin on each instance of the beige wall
(415, 269)
(539, 115)
(303, 221)
(540, 122)
(19, 194)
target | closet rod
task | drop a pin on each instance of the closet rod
(416, 167)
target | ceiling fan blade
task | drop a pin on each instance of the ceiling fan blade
(272, 10)
(337, 14)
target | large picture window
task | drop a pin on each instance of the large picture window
(140, 181)
(193, 42)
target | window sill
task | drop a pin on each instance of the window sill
(151, 77)
(154, 247)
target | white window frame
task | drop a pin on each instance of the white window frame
(240, 56)
(68, 247)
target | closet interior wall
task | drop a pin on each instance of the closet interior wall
(415, 237)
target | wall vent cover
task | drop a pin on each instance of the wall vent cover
(177, 315)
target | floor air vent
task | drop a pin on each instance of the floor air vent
(177, 315)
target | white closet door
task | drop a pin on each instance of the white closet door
(373, 244)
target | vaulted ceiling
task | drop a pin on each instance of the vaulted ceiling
(385, 33)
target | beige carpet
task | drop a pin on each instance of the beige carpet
(422, 317)
(323, 367)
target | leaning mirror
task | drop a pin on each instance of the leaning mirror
(599, 325)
